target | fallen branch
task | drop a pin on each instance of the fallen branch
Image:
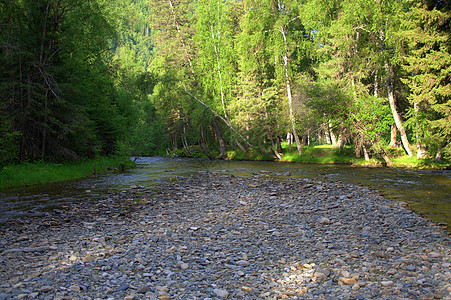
(229, 125)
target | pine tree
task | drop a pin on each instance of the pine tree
(428, 65)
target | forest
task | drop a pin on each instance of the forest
(89, 78)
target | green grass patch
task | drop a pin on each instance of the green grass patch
(405, 161)
(250, 155)
(27, 174)
(321, 154)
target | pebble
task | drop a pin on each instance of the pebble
(214, 236)
(246, 289)
(221, 293)
(46, 289)
(387, 283)
(75, 288)
(324, 221)
(348, 281)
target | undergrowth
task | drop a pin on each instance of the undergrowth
(26, 174)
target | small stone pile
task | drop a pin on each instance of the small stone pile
(214, 236)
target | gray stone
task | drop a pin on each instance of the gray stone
(221, 293)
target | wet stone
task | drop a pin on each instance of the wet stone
(213, 236)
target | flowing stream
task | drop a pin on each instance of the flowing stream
(426, 191)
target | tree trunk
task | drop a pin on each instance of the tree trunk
(327, 135)
(290, 105)
(357, 149)
(183, 136)
(333, 138)
(44, 128)
(174, 142)
(421, 151)
(386, 159)
(341, 140)
(365, 152)
(398, 121)
(289, 140)
(438, 156)
(279, 145)
(376, 86)
(182, 41)
(203, 144)
(393, 138)
(222, 146)
(274, 145)
(241, 146)
(219, 74)
(185, 144)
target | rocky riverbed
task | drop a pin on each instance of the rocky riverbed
(215, 236)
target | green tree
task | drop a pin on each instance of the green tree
(56, 85)
(358, 52)
(425, 32)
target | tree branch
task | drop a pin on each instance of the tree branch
(229, 125)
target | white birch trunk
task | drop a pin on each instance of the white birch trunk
(182, 41)
(290, 105)
(365, 153)
(398, 121)
(219, 71)
(333, 138)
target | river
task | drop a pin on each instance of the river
(428, 192)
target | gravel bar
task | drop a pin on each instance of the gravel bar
(216, 236)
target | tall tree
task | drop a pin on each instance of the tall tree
(54, 56)
(215, 44)
(425, 31)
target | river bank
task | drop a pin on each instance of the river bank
(217, 236)
(27, 174)
(328, 154)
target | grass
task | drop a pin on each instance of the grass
(27, 174)
(405, 161)
(328, 154)
(321, 154)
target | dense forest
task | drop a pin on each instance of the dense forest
(83, 78)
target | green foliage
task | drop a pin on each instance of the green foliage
(215, 57)
(27, 174)
(426, 37)
(73, 77)
(323, 154)
(87, 78)
(372, 119)
(55, 83)
(147, 138)
(9, 151)
(340, 59)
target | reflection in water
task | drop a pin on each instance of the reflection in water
(428, 192)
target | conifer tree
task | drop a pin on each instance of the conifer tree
(425, 31)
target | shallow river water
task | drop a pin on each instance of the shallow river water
(426, 191)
